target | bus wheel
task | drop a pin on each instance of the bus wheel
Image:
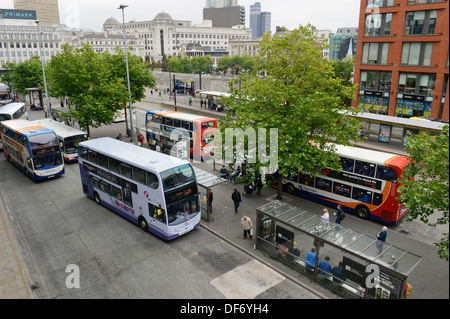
(143, 224)
(290, 189)
(362, 212)
(97, 198)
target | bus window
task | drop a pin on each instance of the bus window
(125, 170)
(92, 157)
(377, 199)
(114, 165)
(82, 152)
(152, 180)
(305, 180)
(157, 213)
(347, 164)
(139, 175)
(103, 161)
(116, 193)
(156, 118)
(206, 125)
(177, 123)
(323, 184)
(105, 187)
(386, 173)
(342, 190)
(362, 195)
(169, 122)
(364, 168)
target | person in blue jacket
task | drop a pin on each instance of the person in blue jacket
(325, 266)
(311, 258)
(381, 239)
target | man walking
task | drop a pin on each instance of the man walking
(210, 200)
(236, 197)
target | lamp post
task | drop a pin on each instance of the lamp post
(133, 133)
(41, 49)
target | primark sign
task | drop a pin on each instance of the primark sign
(18, 14)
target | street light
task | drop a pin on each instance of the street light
(43, 69)
(133, 134)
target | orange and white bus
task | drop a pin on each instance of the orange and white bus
(166, 128)
(366, 185)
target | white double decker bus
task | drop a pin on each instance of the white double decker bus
(155, 191)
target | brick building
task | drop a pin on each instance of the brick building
(402, 60)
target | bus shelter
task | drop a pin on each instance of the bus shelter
(206, 181)
(361, 266)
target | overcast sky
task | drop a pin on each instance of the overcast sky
(324, 14)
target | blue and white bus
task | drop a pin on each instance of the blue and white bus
(69, 138)
(32, 148)
(153, 190)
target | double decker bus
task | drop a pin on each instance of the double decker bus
(13, 111)
(153, 190)
(199, 130)
(32, 148)
(366, 185)
(5, 96)
(69, 138)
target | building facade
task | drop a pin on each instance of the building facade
(341, 35)
(402, 61)
(225, 17)
(163, 35)
(47, 10)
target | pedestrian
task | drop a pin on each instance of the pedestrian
(326, 216)
(236, 197)
(338, 277)
(190, 100)
(311, 258)
(210, 198)
(340, 215)
(408, 290)
(236, 174)
(247, 225)
(381, 236)
(140, 139)
(158, 148)
(325, 266)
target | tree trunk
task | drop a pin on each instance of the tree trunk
(280, 187)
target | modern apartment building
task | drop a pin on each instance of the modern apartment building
(47, 10)
(402, 61)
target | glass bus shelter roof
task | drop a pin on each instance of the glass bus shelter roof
(207, 180)
(391, 257)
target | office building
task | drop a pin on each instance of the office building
(402, 60)
(47, 10)
(225, 17)
(221, 3)
(340, 41)
(260, 22)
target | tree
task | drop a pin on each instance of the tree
(300, 97)
(426, 182)
(84, 76)
(25, 74)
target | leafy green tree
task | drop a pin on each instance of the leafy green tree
(426, 182)
(25, 74)
(165, 63)
(87, 79)
(344, 70)
(300, 97)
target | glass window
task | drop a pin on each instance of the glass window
(125, 170)
(305, 179)
(427, 54)
(377, 199)
(82, 152)
(114, 165)
(347, 164)
(323, 184)
(157, 213)
(342, 189)
(116, 193)
(177, 176)
(92, 156)
(105, 187)
(152, 180)
(432, 22)
(364, 168)
(386, 173)
(362, 195)
(103, 161)
(139, 175)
